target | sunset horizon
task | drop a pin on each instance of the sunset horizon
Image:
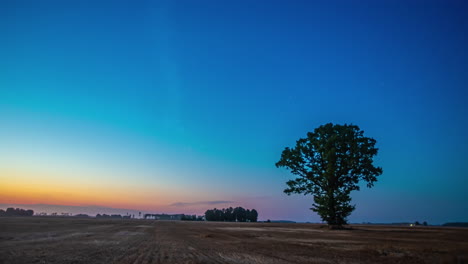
(208, 132)
(169, 107)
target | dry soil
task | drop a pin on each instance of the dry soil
(69, 240)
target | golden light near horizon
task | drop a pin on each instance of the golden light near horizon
(97, 104)
(41, 187)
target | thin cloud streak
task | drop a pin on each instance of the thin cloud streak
(180, 204)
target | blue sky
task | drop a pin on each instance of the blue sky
(197, 99)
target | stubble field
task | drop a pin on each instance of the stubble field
(69, 240)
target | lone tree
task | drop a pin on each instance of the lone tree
(329, 163)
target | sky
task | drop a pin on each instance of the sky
(183, 106)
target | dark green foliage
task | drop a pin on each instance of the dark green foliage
(230, 214)
(329, 164)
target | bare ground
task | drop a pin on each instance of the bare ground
(68, 240)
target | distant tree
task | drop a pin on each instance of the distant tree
(233, 216)
(82, 215)
(16, 212)
(218, 215)
(329, 164)
(188, 217)
(417, 223)
(240, 214)
(424, 223)
(235, 211)
(230, 214)
(10, 211)
(209, 215)
(253, 215)
(108, 216)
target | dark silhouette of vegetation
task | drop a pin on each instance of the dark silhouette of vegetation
(329, 163)
(82, 215)
(457, 224)
(115, 216)
(191, 218)
(230, 214)
(417, 223)
(252, 216)
(16, 212)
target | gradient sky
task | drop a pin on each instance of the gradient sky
(182, 106)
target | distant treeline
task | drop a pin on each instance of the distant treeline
(191, 218)
(230, 214)
(81, 215)
(115, 216)
(16, 212)
(457, 224)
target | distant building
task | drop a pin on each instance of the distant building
(163, 216)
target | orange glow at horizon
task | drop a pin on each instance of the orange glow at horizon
(18, 188)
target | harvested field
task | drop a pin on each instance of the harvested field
(69, 240)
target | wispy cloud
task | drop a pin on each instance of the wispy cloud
(179, 204)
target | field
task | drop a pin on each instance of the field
(69, 240)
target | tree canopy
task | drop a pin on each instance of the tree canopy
(16, 212)
(329, 164)
(230, 214)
